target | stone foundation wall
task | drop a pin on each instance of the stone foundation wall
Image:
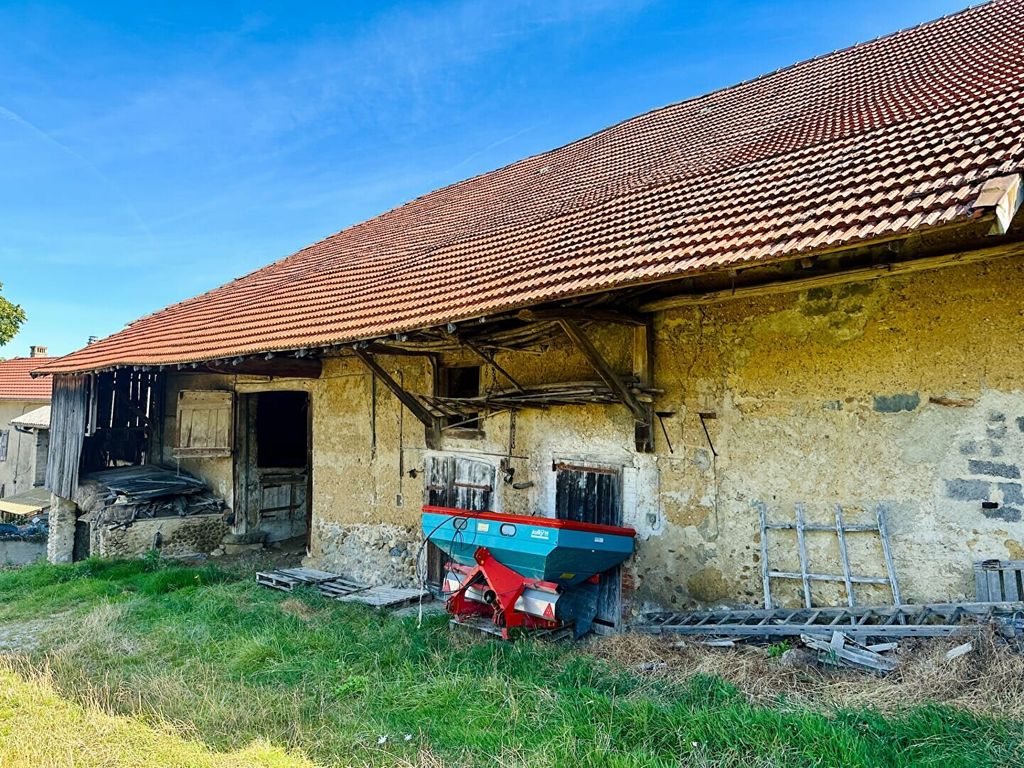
(371, 554)
(177, 536)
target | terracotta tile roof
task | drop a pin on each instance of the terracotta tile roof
(16, 383)
(893, 135)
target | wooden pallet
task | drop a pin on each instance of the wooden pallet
(385, 597)
(999, 580)
(339, 587)
(286, 579)
(932, 620)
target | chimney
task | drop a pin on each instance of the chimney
(36, 351)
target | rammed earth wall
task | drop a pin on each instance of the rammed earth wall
(907, 391)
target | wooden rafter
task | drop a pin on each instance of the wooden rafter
(410, 401)
(611, 379)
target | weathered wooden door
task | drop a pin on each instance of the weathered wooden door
(273, 464)
(594, 495)
(459, 482)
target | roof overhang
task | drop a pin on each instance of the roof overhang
(27, 503)
(983, 234)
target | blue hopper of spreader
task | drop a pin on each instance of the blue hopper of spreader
(533, 572)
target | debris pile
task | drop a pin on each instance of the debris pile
(36, 530)
(119, 497)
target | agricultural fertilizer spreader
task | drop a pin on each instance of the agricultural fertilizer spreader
(529, 572)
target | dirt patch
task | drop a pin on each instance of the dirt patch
(297, 608)
(988, 680)
(23, 636)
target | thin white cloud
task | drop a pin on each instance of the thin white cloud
(17, 119)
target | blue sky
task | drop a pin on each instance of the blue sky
(149, 152)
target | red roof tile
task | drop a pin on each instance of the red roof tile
(872, 141)
(16, 383)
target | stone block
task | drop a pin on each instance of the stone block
(968, 490)
(994, 468)
(1007, 514)
(897, 403)
(1013, 493)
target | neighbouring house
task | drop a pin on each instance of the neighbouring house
(24, 437)
(802, 289)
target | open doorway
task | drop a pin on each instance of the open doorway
(273, 478)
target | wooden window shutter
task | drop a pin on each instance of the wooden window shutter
(4, 438)
(205, 419)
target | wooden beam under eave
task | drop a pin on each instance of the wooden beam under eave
(431, 423)
(567, 313)
(278, 367)
(642, 414)
(856, 275)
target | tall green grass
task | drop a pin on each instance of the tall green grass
(348, 686)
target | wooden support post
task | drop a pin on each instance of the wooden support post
(608, 376)
(431, 422)
(489, 358)
(643, 369)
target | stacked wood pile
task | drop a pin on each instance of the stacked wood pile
(118, 497)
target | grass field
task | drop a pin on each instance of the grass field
(142, 663)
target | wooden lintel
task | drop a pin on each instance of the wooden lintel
(406, 398)
(608, 376)
(283, 367)
(602, 315)
(856, 275)
(377, 348)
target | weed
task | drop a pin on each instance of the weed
(775, 650)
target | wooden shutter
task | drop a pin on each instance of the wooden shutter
(205, 419)
(588, 495)
(4, 438)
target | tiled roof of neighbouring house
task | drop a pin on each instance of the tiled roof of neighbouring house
(886, 137)
(16, 383)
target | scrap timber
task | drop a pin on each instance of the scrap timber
(339, 588)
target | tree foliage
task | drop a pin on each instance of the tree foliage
(11, 318)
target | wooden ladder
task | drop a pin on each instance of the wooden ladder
(839, 528)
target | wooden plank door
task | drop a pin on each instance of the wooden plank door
(594, 495)
(459, 482)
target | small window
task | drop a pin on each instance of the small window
(462, 382)
(5, 436)
(204, 423)
(507, 529)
